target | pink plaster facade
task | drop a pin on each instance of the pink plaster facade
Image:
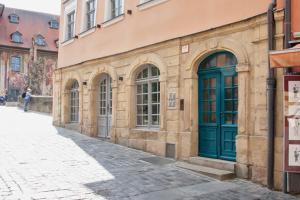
(168, 20)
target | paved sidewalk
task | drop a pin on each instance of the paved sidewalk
(39, 161)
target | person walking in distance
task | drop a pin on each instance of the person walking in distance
(27, 99)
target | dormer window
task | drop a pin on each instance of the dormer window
(16, 37)
(40, 40)
(13, 18)
(54, 24)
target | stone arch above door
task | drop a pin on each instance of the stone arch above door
(211, 46)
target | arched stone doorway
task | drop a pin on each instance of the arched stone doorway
(218, 106)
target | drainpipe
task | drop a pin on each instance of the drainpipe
(271, 87)
(287, 39)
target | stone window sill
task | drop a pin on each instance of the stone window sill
(150, 4)
(145, 129)
(67, 42)
(87, 32)
(113, 21)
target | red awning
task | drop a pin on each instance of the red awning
(286, 58)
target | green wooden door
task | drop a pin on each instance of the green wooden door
(218, 103)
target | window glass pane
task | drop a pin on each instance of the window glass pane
(213, 117)
(205, 117)
(234, 120)
(205, 106)
(213, 94)
(221, 60)
(205, 94)
(155, 98)
(228, 118)
(206, 85)
(145, 109)
(155, 120)
(235, 93)
(235, 80)
(212, 62)
(235, 107)
(145, 120)
(139, 89)
(228, 81)
(145, 73)
(154, 109)
(154, 87)
(139, 99)
(228, 93)
(228, 105)
(154, 72)
(213, 106)
(145, 88)
(139, 110)
(145, 99)
(139, 120)
(212, 82)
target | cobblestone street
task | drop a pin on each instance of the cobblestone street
(39, 161)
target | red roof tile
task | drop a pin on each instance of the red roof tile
(30, 24)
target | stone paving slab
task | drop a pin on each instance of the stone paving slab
(41, 162)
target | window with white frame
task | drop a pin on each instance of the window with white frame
(69, 19)
(70, 25)
(148, 97)
(114, 8)
(90, 13)
(74, 104)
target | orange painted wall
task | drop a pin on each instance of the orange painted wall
(172, 19)
(295, 16)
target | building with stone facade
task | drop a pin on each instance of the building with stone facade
(180, 79)
(28, 51)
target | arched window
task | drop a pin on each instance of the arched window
(220, 59)
(74, 104)
(40, 40)
(16, 37)
(148, 96)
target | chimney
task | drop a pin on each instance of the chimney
(1, 9)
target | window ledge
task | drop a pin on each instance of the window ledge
(67, 42)
(150, 4)
(87, 32)
(113, 21)
(145, 129)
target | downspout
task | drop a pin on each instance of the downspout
(271, 87)
(287, 39)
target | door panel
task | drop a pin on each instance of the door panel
(218, 103)
(209, 112)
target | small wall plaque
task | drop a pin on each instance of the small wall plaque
(172, 98)
(185, 49)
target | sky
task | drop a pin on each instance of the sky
(46, 6)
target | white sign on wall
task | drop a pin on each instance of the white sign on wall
(172, 98)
